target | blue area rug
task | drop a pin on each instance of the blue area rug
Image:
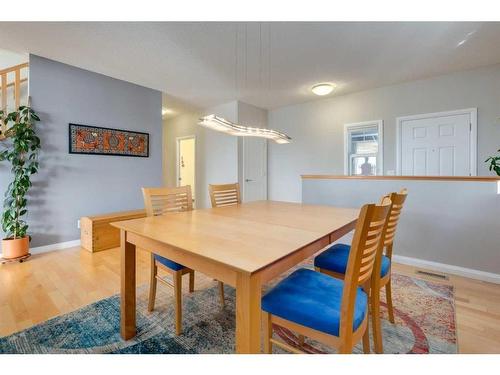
(424, 324)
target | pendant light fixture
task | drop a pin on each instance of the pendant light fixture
(220, 124)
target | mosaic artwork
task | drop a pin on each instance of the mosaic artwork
(85, 139)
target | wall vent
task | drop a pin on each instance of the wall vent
(432, 274)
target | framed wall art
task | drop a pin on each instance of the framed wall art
(95, 140)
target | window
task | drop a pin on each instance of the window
(363, 148)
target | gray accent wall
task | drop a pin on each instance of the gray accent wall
(449, 222)
(69, 186)
(317, 127)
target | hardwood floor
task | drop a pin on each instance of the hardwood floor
(56, 283)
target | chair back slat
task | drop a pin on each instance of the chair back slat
(371, 241)
(161, 201)
(224, 195)
(398, 200)
(366, 244)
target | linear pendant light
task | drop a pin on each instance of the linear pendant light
(222, 125)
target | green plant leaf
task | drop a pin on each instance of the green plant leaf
(21, 151)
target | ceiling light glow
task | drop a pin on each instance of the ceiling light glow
(166, 111)
(322, 89)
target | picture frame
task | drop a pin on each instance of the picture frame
(97, 140)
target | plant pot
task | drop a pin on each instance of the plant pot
(15, 248)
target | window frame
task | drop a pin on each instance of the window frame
(380, 154)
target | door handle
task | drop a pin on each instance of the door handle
(248, 180)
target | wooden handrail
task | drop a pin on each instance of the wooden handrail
(418, 178)
(14, 68)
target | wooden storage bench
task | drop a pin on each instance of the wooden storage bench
(97, 234)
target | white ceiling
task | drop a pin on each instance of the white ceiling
(265, 64)
(9, 58)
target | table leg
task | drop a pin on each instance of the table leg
(127, 300)
(248, 313)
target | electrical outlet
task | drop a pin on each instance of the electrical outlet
(78, 224)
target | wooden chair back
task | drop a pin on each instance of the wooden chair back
(366, 244)
(224, 195)
(161, 201)
(398, 200)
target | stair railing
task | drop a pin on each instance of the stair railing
(16, 84)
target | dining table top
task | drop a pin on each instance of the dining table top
(246, 237)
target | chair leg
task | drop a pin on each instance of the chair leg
(221, 293)
(191, 281)
(345, 348)
(377, 329)
(366, 338)
(152, 284)
(268, 333)
(388, 296)
(177, 276)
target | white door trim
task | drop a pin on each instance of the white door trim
(472, 112)
(177, 149)
(380, 126)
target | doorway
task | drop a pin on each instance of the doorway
(186, 162)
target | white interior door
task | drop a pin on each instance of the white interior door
(254, 169)
(186, 158)
(438, 145)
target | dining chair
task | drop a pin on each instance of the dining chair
(333, 262)
(221, 196)
(162, 201)
(326, 309)
(224, 195)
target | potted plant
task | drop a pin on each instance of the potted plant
(494, 163)
(20, 149)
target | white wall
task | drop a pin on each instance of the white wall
(451, 223)
(316, 127)
(218, 155)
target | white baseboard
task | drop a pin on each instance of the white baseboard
(53, 247)
(448, 268)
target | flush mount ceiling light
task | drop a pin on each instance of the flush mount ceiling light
(322, 89)
(219, 124)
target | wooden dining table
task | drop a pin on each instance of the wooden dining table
(245, 246)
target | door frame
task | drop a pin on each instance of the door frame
(177, 150)
(472, 112)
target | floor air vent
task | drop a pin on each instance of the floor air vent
(432, 274)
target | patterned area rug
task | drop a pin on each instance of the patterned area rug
(424, 311)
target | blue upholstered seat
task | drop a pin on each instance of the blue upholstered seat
(336, 257)
(314, 300)
(169, 263)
